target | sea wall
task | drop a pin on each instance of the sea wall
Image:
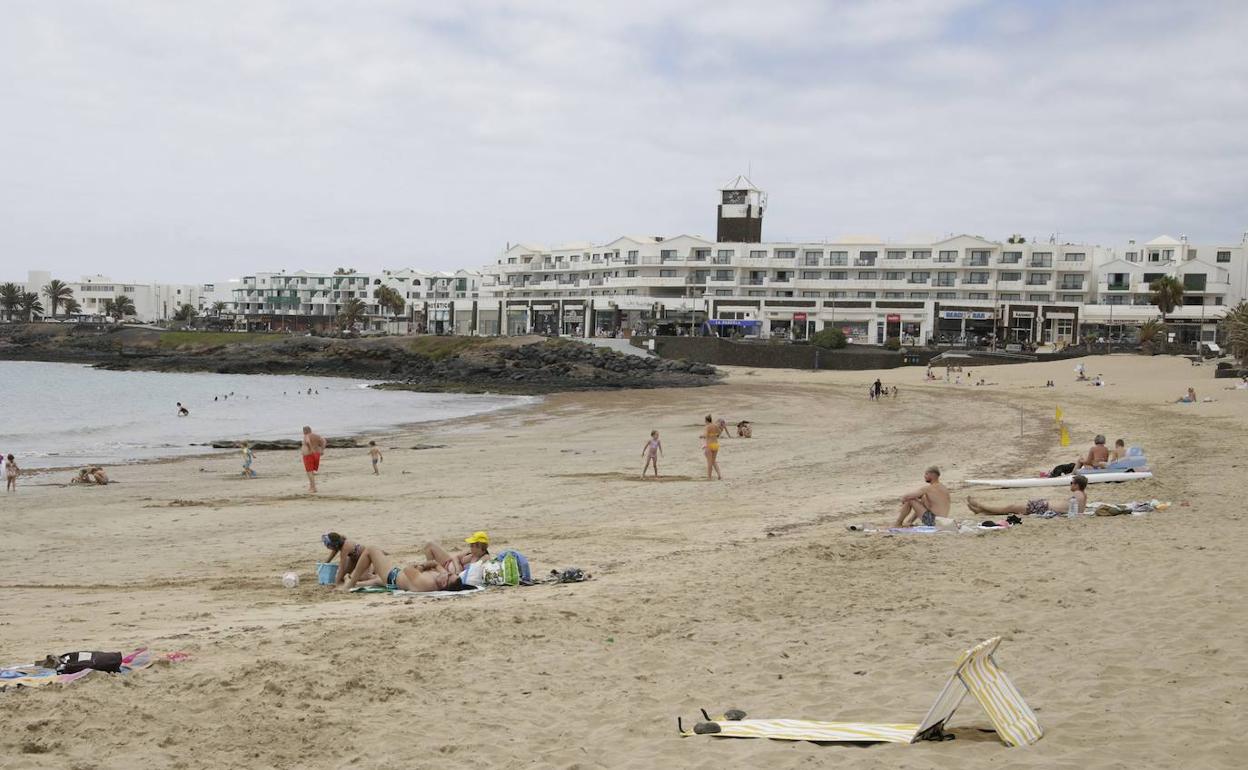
(766, 355)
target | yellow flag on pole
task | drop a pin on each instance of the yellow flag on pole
(1065, 436)
(1057, 416)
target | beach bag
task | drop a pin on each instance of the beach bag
(492, 574)
(515, 568)
(473, 575)
(73, 662)
(1061, 470)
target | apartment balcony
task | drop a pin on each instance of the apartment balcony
(975, 285)
(648, 280)
(595, 281)
(946, 260)
(1070, 286)
(1046, 286)
(699, 257)
(1010, 286)
(1121, 286)
(944, 283)
(721, 260)
(649, 261)
(836, 262)
(781, 281)
(1033, 262)
(916, 282)
(721, 283)
(976, 262)
(753, 282)
(860, 262)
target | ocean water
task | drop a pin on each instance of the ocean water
(54, 415)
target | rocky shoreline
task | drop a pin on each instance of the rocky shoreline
(511, 366)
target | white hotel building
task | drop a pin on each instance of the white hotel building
(152, 301)
(963, 286)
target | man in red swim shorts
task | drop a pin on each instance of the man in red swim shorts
(312, 447)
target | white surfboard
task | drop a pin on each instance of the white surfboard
(1061, 481)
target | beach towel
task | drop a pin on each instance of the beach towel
(919, 530)
(428, 594)
(40, 676)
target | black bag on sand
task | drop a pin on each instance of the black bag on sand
(73, 662)
(1062, 470)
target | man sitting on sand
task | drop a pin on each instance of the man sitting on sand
(926, 503)
(1038, 506)
(1097, 456)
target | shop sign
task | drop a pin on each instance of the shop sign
(799, 317)
(973, 315)
(893, 318)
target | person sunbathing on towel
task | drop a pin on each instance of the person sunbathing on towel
(478, 551)
(1035, 507)
(925, 503)
(420, 578)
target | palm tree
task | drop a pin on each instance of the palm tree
(390, 300)
(119, 307)
(57, 292)
(10, 298)
(344, 271)
(71, 306)
(1149, 331)
(351, 313)
(1167, 294)
(218, 308)
(186, 312)
(30, 305)
(1235, 329)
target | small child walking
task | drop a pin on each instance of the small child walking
(10, 474)
(374, 452)
(651, 452)
(248, 458)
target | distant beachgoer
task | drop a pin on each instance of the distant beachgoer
(744, 429)
(1119, 452)
(311, 449)
(1188, 398)
(925, 503)
(11, 472)
(895, 391)
(711, 436)
(92, 475)
(877, 388)
(1038, 506)
(651, 452)
(248, 458)
(1097, 456)
(374, 454)
(182, 411)
(347, 551)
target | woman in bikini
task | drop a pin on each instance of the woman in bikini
(348, 552)
(710, 436)
(419, 578)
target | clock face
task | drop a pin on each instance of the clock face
(734, 196)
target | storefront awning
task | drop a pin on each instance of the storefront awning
(732, 322)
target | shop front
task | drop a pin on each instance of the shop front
(545, 319)
(965, 326)
(732, 327)
(573, 320)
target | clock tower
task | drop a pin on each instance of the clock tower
(741, 208)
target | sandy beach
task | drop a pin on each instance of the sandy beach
(1125, 634)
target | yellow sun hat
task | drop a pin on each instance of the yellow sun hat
(478, 537)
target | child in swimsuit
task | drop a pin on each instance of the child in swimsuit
(11, 471)
(248, 457)
(651, 452)
(375, 454)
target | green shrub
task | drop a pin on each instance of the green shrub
(893, 343)
(829, 337)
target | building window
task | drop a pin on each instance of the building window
(918, 295)
(700, 254)
(632, 254)
(758, 254)
(667, 253)
(1150, 277)
(947, 256)
(1039, 297)
(894, 275)
(977, 279)
(1075, 256)
(1011, 297)
(1010, 277)
(920, 277)
(1011, 257)
(894, 295)
(630, 273)
(921, 254)
(810, 275)
(895, 254)
(1076, 298)
(667, 273)
(1038, 279)
(630, 292)
(786, 253)
(977, 295)
(838, 258)
(866, 275)
(723, 292)
(946, 295)
(866, 295)
(756, 294)
(726, 253)
(1194, 281)
(946, 279)
(723, 275)
(837, 294)
(1133, 256)
(838, 275)
(1224, 256)
(810, 294)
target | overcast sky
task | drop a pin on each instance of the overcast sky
(157, 141)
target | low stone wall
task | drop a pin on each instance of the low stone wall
(765, 355)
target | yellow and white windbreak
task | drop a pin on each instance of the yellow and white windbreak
(977, 673)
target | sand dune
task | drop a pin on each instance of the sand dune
(1125, 634)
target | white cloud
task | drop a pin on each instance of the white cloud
(167, 141)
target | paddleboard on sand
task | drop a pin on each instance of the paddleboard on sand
(1061, 481)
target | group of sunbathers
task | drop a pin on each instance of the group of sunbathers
(362, 565)
(933, 500)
